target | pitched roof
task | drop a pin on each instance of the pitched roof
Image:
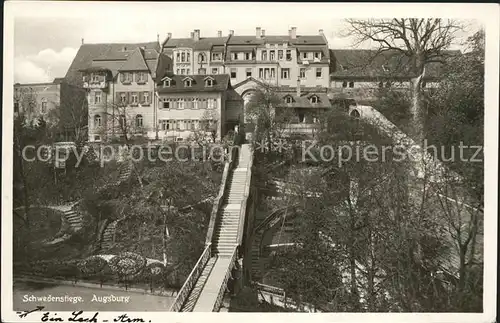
(365, 63)
(304, 100)
(135, 62)
(220, 84)
(279, 39)
(161, 68)
(112, 51)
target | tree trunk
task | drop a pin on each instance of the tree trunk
(417, 104)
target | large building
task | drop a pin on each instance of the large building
(120, 84)
(37, 100)
(197, 107)
(274, 59)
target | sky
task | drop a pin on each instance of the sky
(47, 37)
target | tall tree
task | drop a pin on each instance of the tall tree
(420, 41)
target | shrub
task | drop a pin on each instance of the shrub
(127, 264)
(92, 266)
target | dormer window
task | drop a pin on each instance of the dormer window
(209, 83)
(188, 82)
(385, 68)
(166, 81)
(314, 99)
(288, 99)
(95, 78)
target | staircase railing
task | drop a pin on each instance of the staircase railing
(222, 290)
(191, 280)
(243, 207)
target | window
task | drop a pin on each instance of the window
(317, 55)
(135, 99)
(97, 98)
(122, 121)
(188, 57)
(280, 54)
(248, 72)
(304, 55)
(183, 57)
(388, 84)
(233, 73)
(272, 55)
(288, 99)
(285, 73)
(302, 73)
(145, 96)
(212, 103)
(196, 104)
(202, 58)
(138, 120)
(380, 84)
(128, 77)
(97, 121)
(314, 99)
(202, 71)
(355, 114)
(209, 83)
(188, 83)
(181, 104)
(234, 56)
(16, 106)
(178, 57)
(95, 78)
(261, 73)
(288, 55)
(215, 70)
(216, 56)
(248, 56)
(178, 124)
(351, 84)
(191, 124)
(188, 71)
(344, 84)
(424, 84)
(318, 72)
(166, 105)
(97, 138)
(123, 98)
(44, 106)
(264, 55)
(273, 73)
(166, 83)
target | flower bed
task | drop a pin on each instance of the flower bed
(127, 264)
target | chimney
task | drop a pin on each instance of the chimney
(169, 35)
(298, 86)
(263, 33)
(321, 32)
(231, 32)
(219, 33)
(257, 32)
(83, 41)
(158, 38)
(196, 34)
(293, 33)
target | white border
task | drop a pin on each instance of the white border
(487, 14)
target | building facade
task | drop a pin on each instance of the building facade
(277, 60)
(120, 84)
(37, 100)
(196, 107)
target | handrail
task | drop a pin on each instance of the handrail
(193, 277)
(228, 166)
(243, 207)
(222, 290)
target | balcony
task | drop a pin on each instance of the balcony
(95, 85)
